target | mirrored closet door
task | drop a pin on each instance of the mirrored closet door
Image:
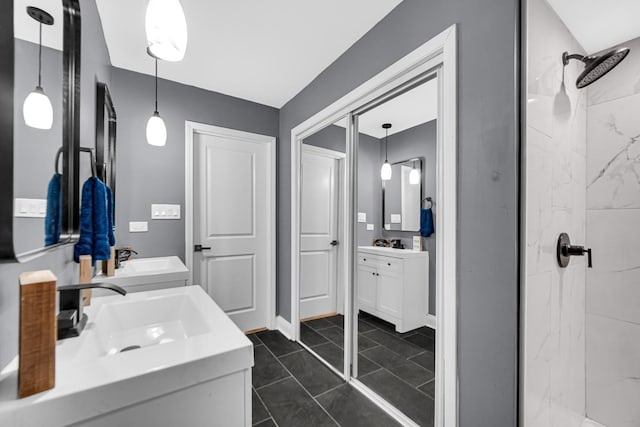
(394, 263)
(321, 285)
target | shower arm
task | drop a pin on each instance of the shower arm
(566, 58)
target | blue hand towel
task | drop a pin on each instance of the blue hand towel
(426, 222)
(112, 237)
(53, 220)
(94, 239)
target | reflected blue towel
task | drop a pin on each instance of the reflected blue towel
(426, 222)
(53, 219)
(110, 213)
(94, 222)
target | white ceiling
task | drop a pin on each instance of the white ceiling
(263, 51)
(26, 28)
(599, 24)
(412, 108)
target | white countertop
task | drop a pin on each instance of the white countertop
(392, 252)
(87, 387)
(139, 271)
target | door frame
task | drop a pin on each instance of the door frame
(341, 187)
(192, 128)
(438, 55)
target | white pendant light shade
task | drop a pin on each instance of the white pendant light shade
(414, 176)
(37, 110)
(156, 131)
(166, 28)
(385, 171)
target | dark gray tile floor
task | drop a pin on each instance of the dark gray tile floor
(399, 367)
(293, 388)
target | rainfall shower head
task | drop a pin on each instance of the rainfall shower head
(596, 66)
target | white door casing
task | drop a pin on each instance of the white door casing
(319, 227)
(231, 212)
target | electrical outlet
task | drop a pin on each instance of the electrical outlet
(396, 218)
(138, 226)
(370, 227)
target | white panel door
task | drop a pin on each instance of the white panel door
(318, 229)
(231, 224)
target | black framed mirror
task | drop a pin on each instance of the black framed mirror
(106, 126)
(402, 196)
(37, 197)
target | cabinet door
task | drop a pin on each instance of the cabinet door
(366, 286)
(389, 294)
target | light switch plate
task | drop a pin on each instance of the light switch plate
(387, 226)
(370, 227)
(396, 218)
(362, 217)
(165, 211)
(138, 226)
(30, 208)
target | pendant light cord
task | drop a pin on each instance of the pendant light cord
(156, 86)
(40, 59)
(386, 146)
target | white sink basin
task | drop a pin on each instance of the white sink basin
(185, 341)
(131, 323)
(143, 274)
(381, 250)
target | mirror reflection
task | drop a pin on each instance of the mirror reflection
(321, 291)
(395, 263)
(38, 112)
(402, 195)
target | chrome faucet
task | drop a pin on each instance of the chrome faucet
(71, 319)
(123, 254)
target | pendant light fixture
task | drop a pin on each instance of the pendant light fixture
(156, 130)
(385, 171)
(414, 175)
(166, 28)
(37, 109)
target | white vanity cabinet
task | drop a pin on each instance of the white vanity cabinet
(393, 284)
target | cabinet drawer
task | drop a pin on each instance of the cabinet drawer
(370, 260)
(390, 266)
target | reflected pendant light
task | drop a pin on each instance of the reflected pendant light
(166, 28)
(156, 130)
(385, 171)
(37, 109)
(414, 175)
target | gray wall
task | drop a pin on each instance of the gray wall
(147, 174)
(334, 138)
(418, 141)
(487, 174)
(95, 65)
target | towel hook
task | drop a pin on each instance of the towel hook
(93, 159)
(82, 150)
(428, 199)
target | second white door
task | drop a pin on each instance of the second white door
(319, 234)
(231, 225)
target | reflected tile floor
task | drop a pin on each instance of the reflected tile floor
(399, 367)
(293, 388)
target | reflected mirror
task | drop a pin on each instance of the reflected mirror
(38, 125)
(395, 263)
(322, 290)
(402, 195)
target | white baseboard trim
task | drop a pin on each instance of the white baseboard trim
(431, 321)
(284, 326)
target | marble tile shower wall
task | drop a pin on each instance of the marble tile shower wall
(613, 231)
(554, 306)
